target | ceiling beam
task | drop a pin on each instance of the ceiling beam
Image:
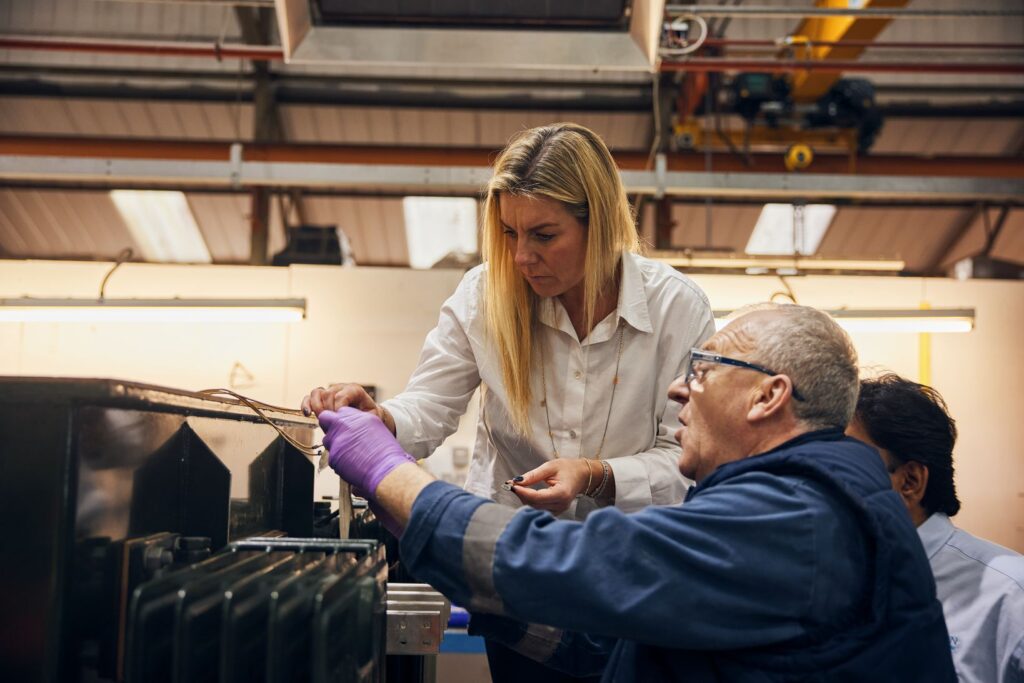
(416, 179)
(371, 155)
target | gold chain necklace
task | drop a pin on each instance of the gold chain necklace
(615, 384)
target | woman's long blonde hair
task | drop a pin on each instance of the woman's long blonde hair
(570, 164)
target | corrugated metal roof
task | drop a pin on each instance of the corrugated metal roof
(45, 223)
(731, 225)
(912, 234)
(85, 224)
(374, 226)
(125, 118)
(949, 136)
(473, 128)
(1009, 245)
(58, 224)
(156, 119)
(117, 18)
(183, 21)
(224, 222)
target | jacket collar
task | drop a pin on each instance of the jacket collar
(724, 471)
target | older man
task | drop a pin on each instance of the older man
(980, 584)
(792, 557)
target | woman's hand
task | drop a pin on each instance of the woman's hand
(341, 395)
(566, 479)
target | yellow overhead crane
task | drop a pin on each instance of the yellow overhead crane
(809, 86)
(814, 39)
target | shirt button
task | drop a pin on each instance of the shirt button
(572, 433)
(578, 375)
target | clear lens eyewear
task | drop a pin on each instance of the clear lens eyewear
(697, 356)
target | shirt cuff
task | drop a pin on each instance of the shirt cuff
(632, 484)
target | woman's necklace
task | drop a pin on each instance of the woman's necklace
(586, 363)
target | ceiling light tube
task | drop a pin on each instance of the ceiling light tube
(797, 263)
(914, 321)
(153, 310)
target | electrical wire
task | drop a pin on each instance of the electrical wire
(315, 451)
(676, 27)
(789, 294)
(125, 255)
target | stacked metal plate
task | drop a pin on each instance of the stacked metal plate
(264, 609)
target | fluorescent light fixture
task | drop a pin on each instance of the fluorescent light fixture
(938, 320)
(438, 226)
(777, 232)
(755, 264)
(153, 310)
(162, 224)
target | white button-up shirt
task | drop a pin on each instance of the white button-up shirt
(661, 314)
(981, 588)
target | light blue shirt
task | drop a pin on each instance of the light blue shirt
(981, 587)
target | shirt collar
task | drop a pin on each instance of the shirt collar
(633, 296)
(935, 533)
(632, 305)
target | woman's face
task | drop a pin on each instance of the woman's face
(546, 242)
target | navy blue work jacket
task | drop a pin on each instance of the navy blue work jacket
(796, 564)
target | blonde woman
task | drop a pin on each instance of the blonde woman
(572, 335)
(574, 340)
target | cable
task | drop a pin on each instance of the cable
(125, 255)
(789, 294)
(315, 451)
(676, 27)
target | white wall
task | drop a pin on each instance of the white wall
(367, 325)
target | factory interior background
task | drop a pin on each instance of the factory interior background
(218, 147)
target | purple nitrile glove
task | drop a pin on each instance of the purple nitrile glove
(362, 450)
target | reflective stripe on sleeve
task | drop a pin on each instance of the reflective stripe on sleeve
(482, 532)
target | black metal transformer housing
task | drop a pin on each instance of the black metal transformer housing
(88, 465)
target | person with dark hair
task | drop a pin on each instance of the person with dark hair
(980, 584)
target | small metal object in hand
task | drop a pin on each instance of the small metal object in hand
(508, 485)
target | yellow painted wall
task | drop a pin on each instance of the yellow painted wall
(368, 324)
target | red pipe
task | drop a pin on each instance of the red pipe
(782, 43)
(155, 48)
(789, 66)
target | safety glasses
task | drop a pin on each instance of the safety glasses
(699, 358)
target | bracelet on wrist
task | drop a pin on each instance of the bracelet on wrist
(606, 471)
(590, 478)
